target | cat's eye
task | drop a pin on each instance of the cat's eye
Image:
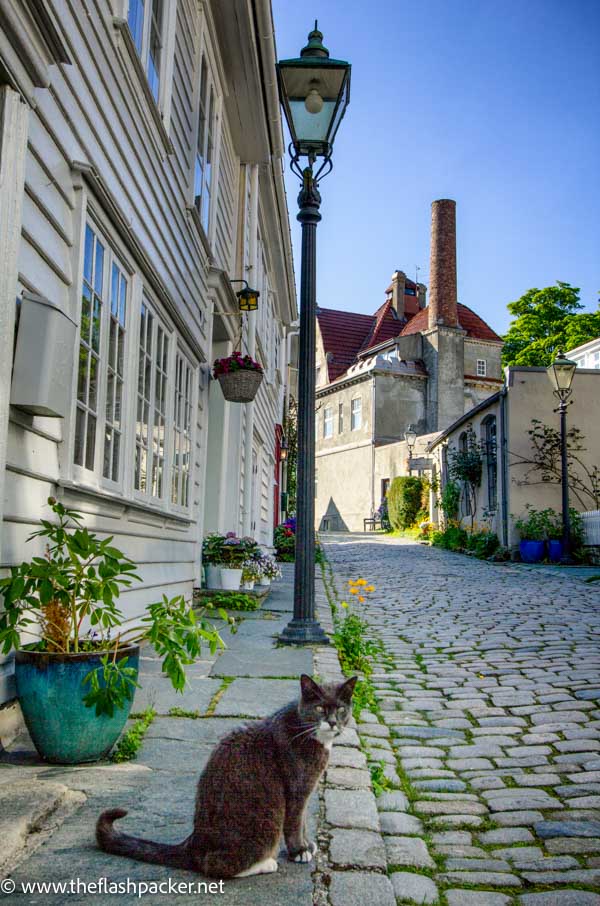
(319, 708)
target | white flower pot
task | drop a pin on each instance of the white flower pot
(264, 582)
(213, 576)
(248, 586)
(231, 579)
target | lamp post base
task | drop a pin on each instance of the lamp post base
(304, 632)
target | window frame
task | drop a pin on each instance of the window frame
(95, 478)
(490, 440)
(340, 418)
(481, 368)
(327, 422)
(356, 414)
(206, 57)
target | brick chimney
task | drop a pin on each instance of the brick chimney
(398, 284)
(442, 269)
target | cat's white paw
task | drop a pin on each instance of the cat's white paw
(265, 867)
(306, 855)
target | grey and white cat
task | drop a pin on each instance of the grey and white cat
(254, 788)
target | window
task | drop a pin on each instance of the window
(146, 19)
(150, 437)
(328, 422)
(100, 370)
(355, 414)
(205, 146)
(481, 368)
(491, 460)
(340, 418)
(182, 433)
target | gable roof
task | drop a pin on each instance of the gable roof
(343, 334)
(472, 324)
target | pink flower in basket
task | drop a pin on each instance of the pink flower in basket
(236, 362)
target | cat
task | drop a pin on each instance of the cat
(254, 788)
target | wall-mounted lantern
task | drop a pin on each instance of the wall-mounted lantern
(283, 449)
(247, 297)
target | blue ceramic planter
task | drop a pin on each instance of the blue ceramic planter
(555, 550)
(532, 551)
(50, 690)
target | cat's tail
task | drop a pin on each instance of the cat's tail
(113, 841)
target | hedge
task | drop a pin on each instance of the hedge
(404, 501)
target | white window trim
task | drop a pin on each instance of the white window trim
(481, 368)
(194, 380)
(86, 477)
(136, 70)
(206, 52)
(340, 418)
(328, 421)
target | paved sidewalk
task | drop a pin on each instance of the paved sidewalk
(250, 679)
(489, 710)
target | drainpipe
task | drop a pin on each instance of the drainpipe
(249, 437)
(373, 386)
(504, 463)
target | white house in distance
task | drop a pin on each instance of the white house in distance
(141, 166)
(587, 355)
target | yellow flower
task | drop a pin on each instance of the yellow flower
(354, 591)
(370, 588)
(344, 604)
(351, 582)
(362, 582)
(361, 599)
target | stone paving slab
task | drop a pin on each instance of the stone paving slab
(258, 662)
(256, 697)
(489, 687)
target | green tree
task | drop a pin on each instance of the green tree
(546, 320)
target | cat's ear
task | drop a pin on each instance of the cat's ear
(345, 691)
(310, 690)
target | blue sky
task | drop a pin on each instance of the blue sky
(496, 105)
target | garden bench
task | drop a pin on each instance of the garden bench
(373, 523)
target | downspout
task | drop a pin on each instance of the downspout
(504, 463)
(249, 437)
(373, 400)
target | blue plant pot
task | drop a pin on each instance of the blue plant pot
(50, 689)
(532, 551)
(555, 551)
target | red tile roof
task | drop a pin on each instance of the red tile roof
(474, 326)
(346, 334)
(343, 334)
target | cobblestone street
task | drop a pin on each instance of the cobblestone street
(489, 725)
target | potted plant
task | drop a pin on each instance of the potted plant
(212, 546)
(250, 574)
(533, 530)
(233, 553)
(76, 684)
(269, 570)
(239, 376)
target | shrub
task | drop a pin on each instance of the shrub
(284, 541)
(404, 501)
(454, 538)
(450, 500)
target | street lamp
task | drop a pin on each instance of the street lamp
(314, 91)
(410, 437)
(561, 373)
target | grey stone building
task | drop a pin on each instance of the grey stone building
(409, 363)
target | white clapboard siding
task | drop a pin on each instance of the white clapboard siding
(591, 527)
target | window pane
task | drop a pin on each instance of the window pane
(155, 48)
(79, 437)
(182, 423)
(90, 442)
(135, 18)
(88, 254)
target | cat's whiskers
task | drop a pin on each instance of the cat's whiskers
(311, 729)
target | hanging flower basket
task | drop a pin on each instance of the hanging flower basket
(239, 377)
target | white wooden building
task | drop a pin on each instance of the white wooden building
(141, 170)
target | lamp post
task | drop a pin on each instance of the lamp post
(561, 373)
(410, 437)
(314, 91)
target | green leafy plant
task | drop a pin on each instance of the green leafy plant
(465, 465)
(80, 579)
(533, 525)
(405, 499)
(234, 601)
(450, 500)
(212, 546)
(379, 781)
(130, 742)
